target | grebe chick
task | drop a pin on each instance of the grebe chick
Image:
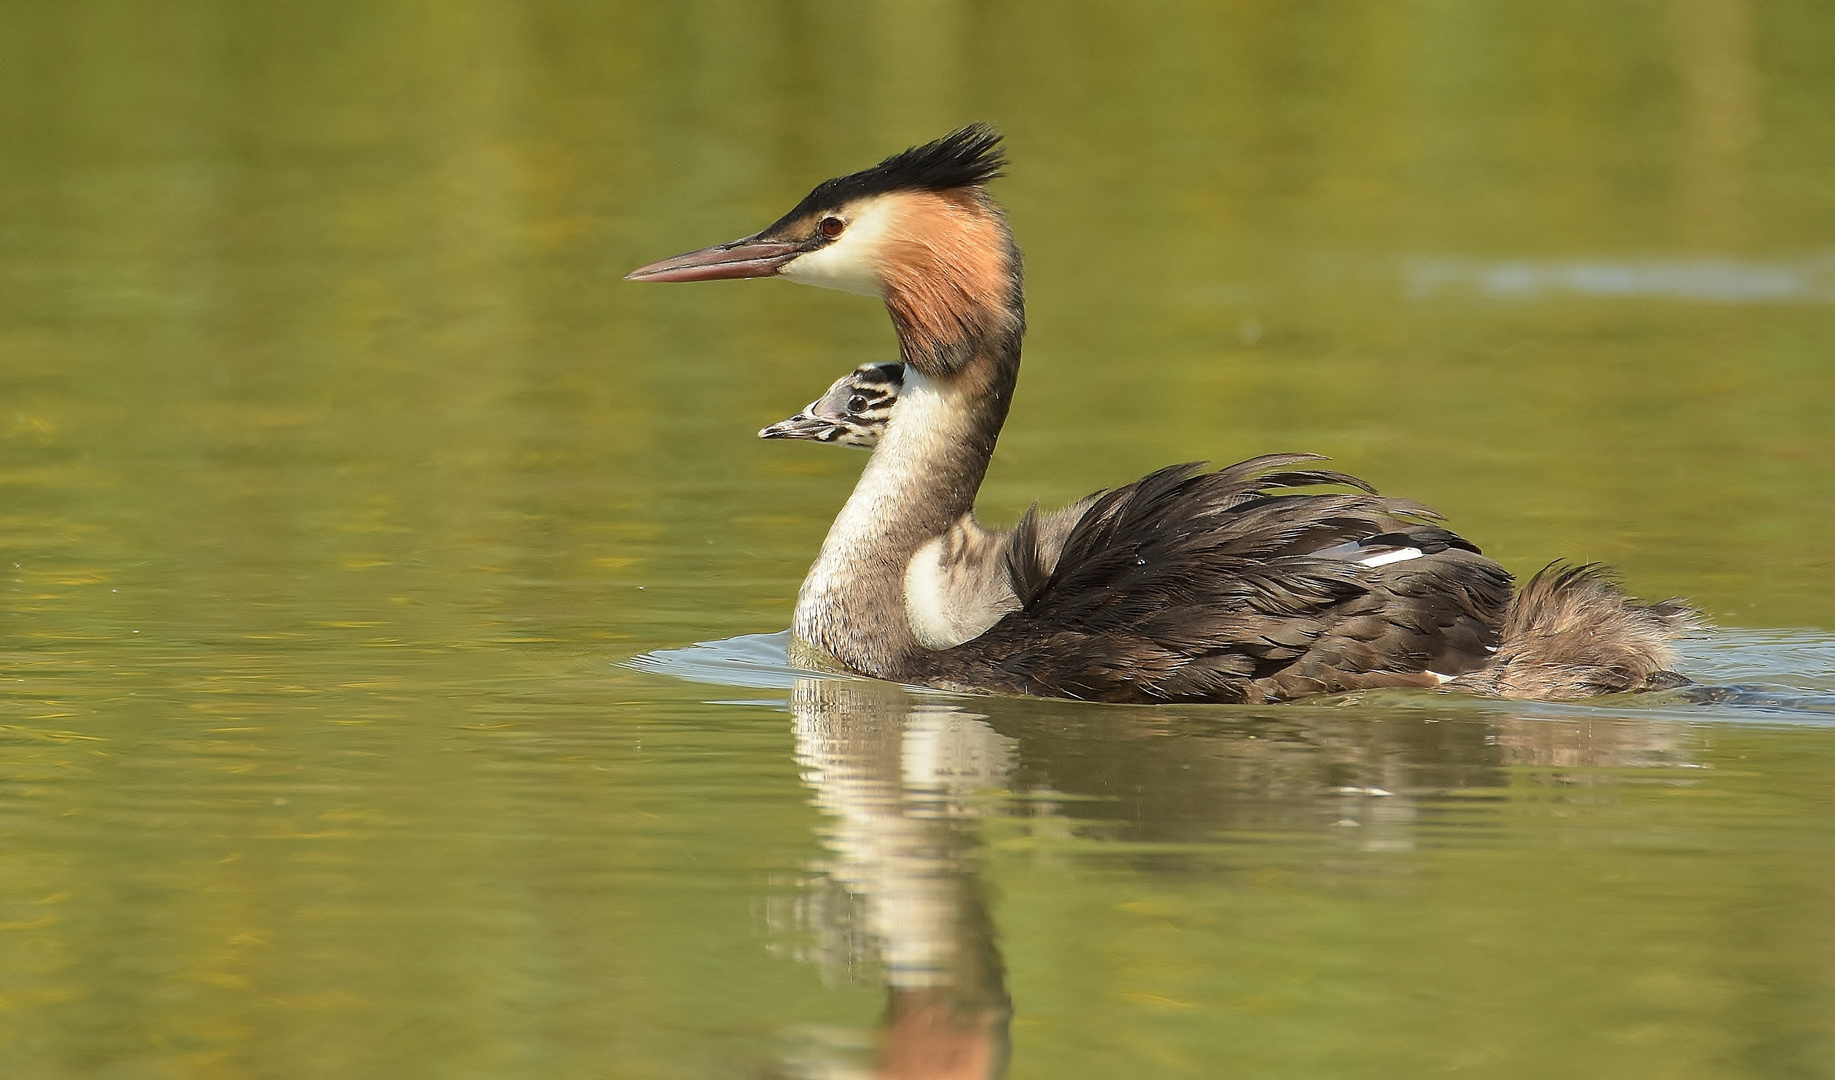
(852, 412)
(1185, 585)
(966, 570)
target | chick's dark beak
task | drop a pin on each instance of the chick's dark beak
(747, 258)
(800, 426)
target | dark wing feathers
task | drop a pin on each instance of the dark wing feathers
(1303, 477)
(1191, 585)
(1026, 564)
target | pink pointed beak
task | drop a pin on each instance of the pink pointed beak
(740, 259)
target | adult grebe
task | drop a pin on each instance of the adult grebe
(1185, 585)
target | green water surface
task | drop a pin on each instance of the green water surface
(341, 475)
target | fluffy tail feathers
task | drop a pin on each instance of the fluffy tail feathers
(1571, 632)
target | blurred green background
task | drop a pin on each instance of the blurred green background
(340, 469)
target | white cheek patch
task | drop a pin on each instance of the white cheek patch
(851, 262)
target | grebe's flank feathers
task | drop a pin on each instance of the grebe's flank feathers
(1190, 585)
(1571, 632)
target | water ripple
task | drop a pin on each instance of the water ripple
(1742, 675)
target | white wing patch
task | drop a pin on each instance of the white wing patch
(1388, 557)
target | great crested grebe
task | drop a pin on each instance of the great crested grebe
(1185, 585)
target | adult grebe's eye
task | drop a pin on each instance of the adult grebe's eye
(856, 403)
(832, 226)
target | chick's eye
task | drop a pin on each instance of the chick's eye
(856, 403)
(831, 227)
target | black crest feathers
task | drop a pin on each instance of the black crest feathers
(967, 156)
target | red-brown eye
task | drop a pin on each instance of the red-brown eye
(832, 226)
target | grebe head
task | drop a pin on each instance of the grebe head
(853, 412)
(917, 230)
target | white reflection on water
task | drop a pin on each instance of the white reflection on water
(891, 779)
(901, 783)
(1710, 280)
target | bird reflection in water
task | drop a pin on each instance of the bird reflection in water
(905, 781)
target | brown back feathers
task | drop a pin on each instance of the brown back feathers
(1571, 633)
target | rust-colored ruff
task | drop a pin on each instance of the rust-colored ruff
(951, 277)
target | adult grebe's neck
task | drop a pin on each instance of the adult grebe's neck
(956, 300)
(921, 479)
